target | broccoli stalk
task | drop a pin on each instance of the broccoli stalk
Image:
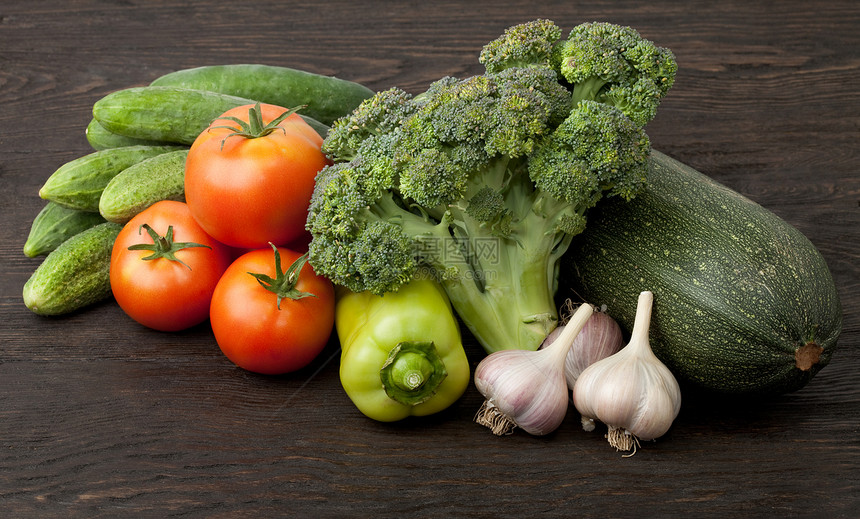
(483, 181)
(505, 297)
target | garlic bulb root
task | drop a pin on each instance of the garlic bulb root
(587, 424)
(490, 416)
(622, 440)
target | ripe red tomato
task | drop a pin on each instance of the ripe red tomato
(248, 192)
(171, 290)
(266, 331)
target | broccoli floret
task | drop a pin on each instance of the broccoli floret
(487, 205)
(596, 150)
(615, 65)
(524, 45)
(360, 228)
(482, 181)
(375, 116)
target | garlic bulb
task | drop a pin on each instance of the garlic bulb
(632, 392)
(600, 337)
(525, 388)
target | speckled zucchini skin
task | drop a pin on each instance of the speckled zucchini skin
(744, 304)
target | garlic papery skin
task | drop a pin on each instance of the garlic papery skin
(632, 391)
(527, 389)
(600, 337)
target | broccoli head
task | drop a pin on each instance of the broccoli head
(615, 65)
(482, 181)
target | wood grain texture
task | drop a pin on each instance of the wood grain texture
(100, 417)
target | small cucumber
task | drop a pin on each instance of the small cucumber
(327, 98)
(160, 178)
(76, 274)
(101, 139)
(78, 184)
(55, 224)
(172, 114)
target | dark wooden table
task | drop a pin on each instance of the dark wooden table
(100, 417)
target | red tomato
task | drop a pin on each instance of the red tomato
(258, 332)
(251, 191)
(166, 293)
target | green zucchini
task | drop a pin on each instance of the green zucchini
(134, 189)
(78, 184)
(326, 98)
(76, 274)
(171, 114)
(744, 304)
(55, 224)
(101, 139)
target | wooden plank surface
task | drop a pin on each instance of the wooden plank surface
(102, 418)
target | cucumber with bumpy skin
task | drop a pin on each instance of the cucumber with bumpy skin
(75, 275)
(326, 97)
(143, 184)
(101, 139)
(78, 184)
(744, 304)
(171, 114)
(55, 224)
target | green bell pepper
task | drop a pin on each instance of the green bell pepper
(401, 353)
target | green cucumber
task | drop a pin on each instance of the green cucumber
(78, 184)
(171, 114)
(326, 98)
(101, 139)
(74, 275)
(744, 304)
(55, 224)
(160, 178)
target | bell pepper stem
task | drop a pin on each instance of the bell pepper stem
(412, 373)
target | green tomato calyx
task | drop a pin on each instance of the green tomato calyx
(163, 246)
(412, 372)
(284, 283)
(254, 127)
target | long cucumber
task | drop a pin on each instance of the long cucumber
(326, 97)
(171, 114)
(101, 139)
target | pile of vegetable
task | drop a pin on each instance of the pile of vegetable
(485, 180)
(193, 209)
(282, 205)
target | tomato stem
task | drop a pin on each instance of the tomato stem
(284, 283)
(254, 127)
(163, 246)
